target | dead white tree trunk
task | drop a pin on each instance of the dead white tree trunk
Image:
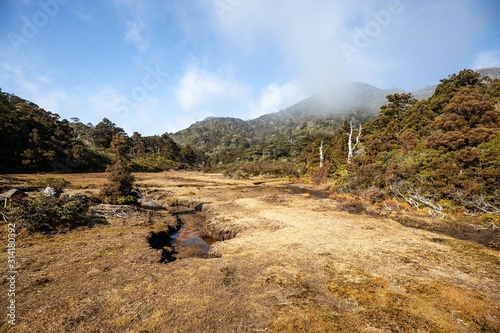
(350, 146)
(321, 158)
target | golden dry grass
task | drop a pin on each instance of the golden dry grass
(297, 264)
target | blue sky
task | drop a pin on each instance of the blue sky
(156, 66)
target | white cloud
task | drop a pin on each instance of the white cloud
(487, 59)
(274, 98)
(138, 16)
(83, 14)
(36, 86)
(204, 90)
(105, 99)
(136, 36)
(305, 38)
(206, 93)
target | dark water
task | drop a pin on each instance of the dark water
(187, 241)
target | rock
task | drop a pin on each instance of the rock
(51, 192)
(77, 196)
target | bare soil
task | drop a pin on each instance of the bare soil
(289, 259)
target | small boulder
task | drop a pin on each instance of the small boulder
(77, 196)
(51, 192)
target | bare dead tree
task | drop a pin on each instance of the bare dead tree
(321, 158)
(413, 197)
(350, 146)
(480, 202)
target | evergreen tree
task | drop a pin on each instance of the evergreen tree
(104, 132)
(120, 187)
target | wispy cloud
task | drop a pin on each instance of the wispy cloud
(487, 59)
(276, 97)
(419, 38)
(135, 35)
(83, 15)
(136, 14)
(202, 89)
(38, 86)
(204, 92)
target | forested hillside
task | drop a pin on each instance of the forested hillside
(273, 143)
(35, 140)
(441, 150)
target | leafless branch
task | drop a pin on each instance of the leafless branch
(414, 198)
(5, 218)
(481, 203)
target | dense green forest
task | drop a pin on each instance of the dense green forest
(438, 151)
(441, 150)
(35, 140)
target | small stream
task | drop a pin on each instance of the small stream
(187, 241)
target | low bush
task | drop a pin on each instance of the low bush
(58, 183)
(121, 200)
(319, 175)
(48, 214)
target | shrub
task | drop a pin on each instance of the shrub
(127, 200)
(120, 186)
(374, 194)
(49, 214)
(319, 175)
(58, 183)
(490, 218)
(236, 174)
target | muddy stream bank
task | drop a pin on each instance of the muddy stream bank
(185, 241)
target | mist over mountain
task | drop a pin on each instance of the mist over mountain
(318, 114)
(282, 135)
(492, 72)
(296, 131)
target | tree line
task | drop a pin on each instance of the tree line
(35, 140)
(442, 149)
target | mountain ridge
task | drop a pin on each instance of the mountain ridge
(372, 97)
(323, 111)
